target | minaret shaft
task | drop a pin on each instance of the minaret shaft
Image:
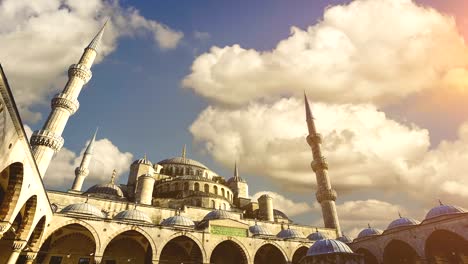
(82, 171)
(325, 195)
(48, 141)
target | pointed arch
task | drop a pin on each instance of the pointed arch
(270, 253)
(29, 212)
(369, 257)
(298, 254)
(219, 253)
(398, 251)
(182, 242)
(11, 180)
(37, 234)
(446, 246)
(125, 229)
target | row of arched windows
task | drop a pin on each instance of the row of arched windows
(185, 186)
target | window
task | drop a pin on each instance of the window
(213, 204)
(55, 260)
(207, 188)
(215, 189)
(222, 192)
(197, 187)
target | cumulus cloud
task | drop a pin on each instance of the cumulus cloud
(365, 51)
(289, 207)
(41, 39)
(364, 148)
(106, 158)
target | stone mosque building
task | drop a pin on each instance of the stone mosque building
(178, 210)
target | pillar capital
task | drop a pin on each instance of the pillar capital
(97, 259)
(18, 245)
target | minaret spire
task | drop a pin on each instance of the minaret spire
(325, 195)
(184, 152)
(236, 172)
(48, 141)
(83, 170)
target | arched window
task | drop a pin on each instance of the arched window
(213, 204)
(207, 188)
(197, 187)
(222, 192)
(215, 189)
(186, 186)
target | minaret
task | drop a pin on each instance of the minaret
(236, 173)
(48, 141)
(325, 195)
(83, 170)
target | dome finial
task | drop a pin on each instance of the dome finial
(368, 225)
(399, 214)
(316, 230)
(114, 173)
(87, 198)
(135, 207)
(184, 152)
(440, 202)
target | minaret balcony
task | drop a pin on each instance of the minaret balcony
(61, 100)
(320, 164)
(314, 139)
(326, 195)
(80, 171)
(80, 71)
(48, 139)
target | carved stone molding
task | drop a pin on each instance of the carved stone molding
(320, 164)
(80, 71)
(48, 139)
(60, 100)
(326, 195)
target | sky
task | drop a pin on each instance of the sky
(387, 80)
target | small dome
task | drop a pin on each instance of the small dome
(83, 209)
(328, 246)
(345, 239)
(290, 233)
(443, 209)
(133, 215)
(402, 221)
(258, 230)
(217, 214)
(317, 236)
(370, 231)
(178, 220)
(143, 160)
(108, 189)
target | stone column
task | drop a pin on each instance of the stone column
(30, 257)
(97, 259)
(18, 245)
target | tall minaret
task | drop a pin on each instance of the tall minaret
(48, 141)
(325, 195)
(83, 170)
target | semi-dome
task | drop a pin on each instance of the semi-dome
(328, 246)
(443, 209)
(290, 233)
(345, 239)
(83, 209)
(108, 189)
(317, 235)
(133, 215)
(401, 222)
(217, 214)
(370, 231)
(258, 230)
(178, 220)
(182, 161)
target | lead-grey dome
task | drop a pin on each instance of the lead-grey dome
(290, 233)
(182, 161)
(370, 231)
(217, 214)
(328, 246)
(178, 220)
(401, 222)
(133, 215)
(317, 235)
(443, 209)
(108, 189)
(83, 209)
(345, 239)
(258, 230)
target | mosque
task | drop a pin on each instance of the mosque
(178, 210)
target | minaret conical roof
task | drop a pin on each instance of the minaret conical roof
(90, 148)
(96, 42)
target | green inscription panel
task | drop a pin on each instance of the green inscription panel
(228, 231)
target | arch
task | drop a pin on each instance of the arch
(87, 226)
(181, 249)
(398, 251)
(28, 211)
(215, 189)
(186, 186)
(369, 258)
(11, 180)
(207, 188)
(196, 187)
(129, 246)
(222, 192)
(37, 234)
(446, 247)
(269, 253)
(131, 228)
(73, 242)
(229, 252)
(213, 204)
(299, 254)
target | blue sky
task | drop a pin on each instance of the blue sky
(136, 98)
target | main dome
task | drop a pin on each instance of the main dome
(401, 222)
(178, 220)
(108, 189)
(328, 246)
(83, 209)
(133, 215)
(443, 209)
(182, 161)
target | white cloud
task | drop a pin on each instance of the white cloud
(367, 51)
(41, 39)
(287, 206)
(106, 158)
(364, 148)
